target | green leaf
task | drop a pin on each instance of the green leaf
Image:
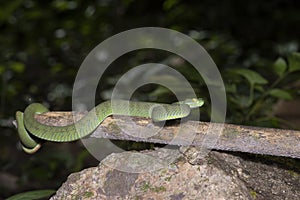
(280, 66)
(252, 76)
(17, 67)
(170, 4)
(31, 195)
(8, 9)
(259, 88)
(2, 69)
(281, 94)
(240, 100)
(294, 61)
(230, 88)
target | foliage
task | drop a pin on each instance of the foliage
(32, 195)
(252, 102)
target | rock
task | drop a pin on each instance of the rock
(168, 174)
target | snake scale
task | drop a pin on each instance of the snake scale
(32, 132)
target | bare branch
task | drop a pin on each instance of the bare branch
(257, 140)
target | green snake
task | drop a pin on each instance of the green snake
(32, 132)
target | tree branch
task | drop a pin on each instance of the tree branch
(257, 140)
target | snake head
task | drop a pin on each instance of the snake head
(193, 103)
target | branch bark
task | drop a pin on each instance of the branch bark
(267, 141)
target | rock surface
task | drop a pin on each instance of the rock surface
(168, 174)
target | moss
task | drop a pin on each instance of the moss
(164, 171)
(210, 160)
(293, 173)
(75, 197)
(88, 194)
(168, 178)
(172, 166)
(253, 194)
(158, 189)
(146, 187)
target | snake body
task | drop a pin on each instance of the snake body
(31, 132)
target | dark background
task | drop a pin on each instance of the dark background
(43, 43)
